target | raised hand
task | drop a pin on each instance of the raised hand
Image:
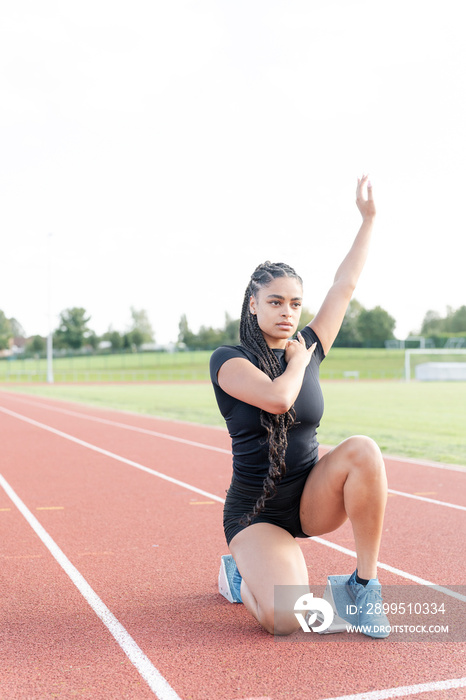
(365, 205)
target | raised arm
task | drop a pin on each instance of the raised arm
(328, 320)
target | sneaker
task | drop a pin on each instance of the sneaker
(372, 620)
(229, 579)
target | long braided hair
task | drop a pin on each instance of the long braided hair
(251, 337)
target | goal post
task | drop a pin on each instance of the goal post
(456, 372)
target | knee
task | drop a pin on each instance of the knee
(364, 454)
(279, 623)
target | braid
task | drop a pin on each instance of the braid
(252, 338)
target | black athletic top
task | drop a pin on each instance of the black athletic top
(249, 438)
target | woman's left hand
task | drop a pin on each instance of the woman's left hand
(365, 206)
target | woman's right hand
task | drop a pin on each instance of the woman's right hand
(297, 350)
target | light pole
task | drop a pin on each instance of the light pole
(50, 335)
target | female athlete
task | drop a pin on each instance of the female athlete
(268, 391)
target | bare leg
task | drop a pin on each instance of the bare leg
(349, 482)
(266, 556)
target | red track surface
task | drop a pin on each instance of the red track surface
(150, 550)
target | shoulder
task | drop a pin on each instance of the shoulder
(311, 337)
(228, 352)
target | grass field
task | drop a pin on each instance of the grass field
(422, 420)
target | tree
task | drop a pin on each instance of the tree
(306, 317)
(92, 340)
(208, 338)
(141, 330)
(5, 331)
(375, 326)
(185, 335)
(72, 331)
(114, 338)
(16, 329)
(36, 344)
(231, 332)
(135, 338)
(365, 328)
(454, 322)
(432, 323)
(349, 335)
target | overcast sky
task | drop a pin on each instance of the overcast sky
(154, 152)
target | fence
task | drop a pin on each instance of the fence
(75, 376)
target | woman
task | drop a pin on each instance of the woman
(268, 391)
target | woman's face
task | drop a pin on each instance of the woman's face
(278, 309)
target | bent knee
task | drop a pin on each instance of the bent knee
(281, 624)
(363, 452)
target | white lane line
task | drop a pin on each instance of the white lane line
(125, 426)
(201, 445)
(185, 485)
(134, 414)
(405, 690)
(427, 500)
(106, 453)
(392, 458)
(393, 570)
(142, 663)
(428, 463)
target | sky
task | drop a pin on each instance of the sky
(153, 153)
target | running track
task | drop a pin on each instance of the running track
(111, 540)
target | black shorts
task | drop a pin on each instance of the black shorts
(282, 509)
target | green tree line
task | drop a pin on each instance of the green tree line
(361, 327)
(365, 328)
(74, 333)
(453, 322)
